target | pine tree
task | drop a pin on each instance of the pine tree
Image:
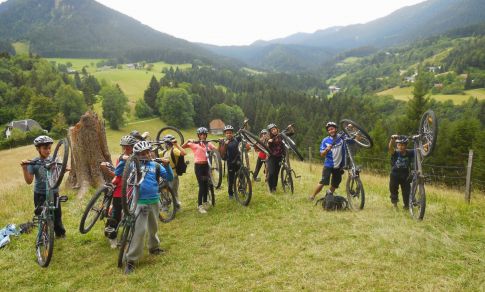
(150, 95)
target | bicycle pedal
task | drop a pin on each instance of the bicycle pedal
(63, 199)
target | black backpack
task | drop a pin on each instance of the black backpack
(333, 203)
(180, 164)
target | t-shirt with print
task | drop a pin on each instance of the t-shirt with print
(40, 175)
(335, 158)
(401, 164)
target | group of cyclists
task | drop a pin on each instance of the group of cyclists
(332, 149)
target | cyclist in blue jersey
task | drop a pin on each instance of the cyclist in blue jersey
(332, 148)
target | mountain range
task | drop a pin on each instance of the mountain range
(85, 28)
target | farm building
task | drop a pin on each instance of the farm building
(23, 125)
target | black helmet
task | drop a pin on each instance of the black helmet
(228, 128)
(142, 146)
(43, 140)
(271, 126)
(168, 138)
(402, 139)
(128, 140)
(136, 135)
(331, 124)
(202, 130)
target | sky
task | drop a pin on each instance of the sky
(241, 22)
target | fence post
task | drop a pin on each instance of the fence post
(468, 177)
(310, 156)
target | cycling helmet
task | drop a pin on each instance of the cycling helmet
(136, 135)
(228, 128)
(142, 146)
(271, 126)
(331, 124)
(43, 140)
(128, 140)
(202, 130)
(263, 131)
(402, 139)
(168, 138)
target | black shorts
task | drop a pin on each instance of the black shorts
(336, 174)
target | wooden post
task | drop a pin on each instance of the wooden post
(310, 157)
(468, 177)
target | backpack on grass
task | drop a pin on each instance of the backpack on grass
(333, 202)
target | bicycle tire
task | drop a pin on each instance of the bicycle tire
(287, 179)
(355, 192)
(45, 239)
(130, 190)
(292, 146)
(60, 156)
(125, 241)
(428, 133)
(360, 131)
(216, 168)
(417, 200)
(104, 190)
(170, 130)
(243, 189)
(167, 199)
(254, 141)
(211, 196)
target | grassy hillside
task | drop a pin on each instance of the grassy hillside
(132, 82)
(21, 48)
(405, 93)
(279, 242)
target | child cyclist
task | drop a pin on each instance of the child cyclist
(30, 169)
(148, 205)
(401, 159)
(263, 136)
(126, 144)
(276, 150)
(229, 149)
(201, 166)
(333, 150)
(173, 153)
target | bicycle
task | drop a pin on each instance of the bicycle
(424, 143)
(160, 145)
(242, 180)
(55, 168)
(97, 210)
(354, 187)
(287, 173)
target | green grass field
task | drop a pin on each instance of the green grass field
(405, 93)
(278, 242)
(21, 48)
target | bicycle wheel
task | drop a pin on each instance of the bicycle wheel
(292, 146)
(242, 186)
(357, 133)
(95, 208)
(44, 245)
(211, 196)
(417, 200)
(355, 192)
(216, 168)
(428, 133)
(125, 241)
(169, 130)
(58, 168)
(167, 204)
(287, 178)
(130, 191)
(254, 141)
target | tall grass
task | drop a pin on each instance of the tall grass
(278, 242)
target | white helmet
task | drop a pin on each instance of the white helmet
(43, 140)
(142, 146)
